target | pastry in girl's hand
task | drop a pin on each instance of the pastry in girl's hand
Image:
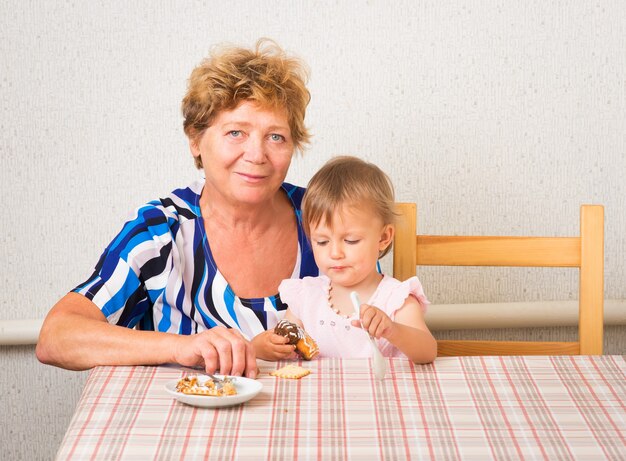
(289, 330)
(306, 346)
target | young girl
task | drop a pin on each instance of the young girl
(348, 214)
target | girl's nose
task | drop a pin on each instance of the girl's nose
(336, 251)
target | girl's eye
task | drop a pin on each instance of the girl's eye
(352, 242)
(234, 133)
(321, 243)
(277, 137)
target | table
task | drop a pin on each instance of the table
(480, 408)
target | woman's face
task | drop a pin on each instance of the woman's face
(246, 153)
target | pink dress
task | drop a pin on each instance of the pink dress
(307, 299)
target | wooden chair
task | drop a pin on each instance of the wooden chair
(585, 252)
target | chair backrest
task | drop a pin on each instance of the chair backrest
(585, 252)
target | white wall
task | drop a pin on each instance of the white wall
(497, 117)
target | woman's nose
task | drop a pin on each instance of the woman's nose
(254, 150)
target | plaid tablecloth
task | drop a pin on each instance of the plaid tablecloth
(480, 408)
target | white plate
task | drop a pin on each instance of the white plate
(246, 389)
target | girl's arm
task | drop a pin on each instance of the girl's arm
(270, 346)
(292, 318)
(408, 332)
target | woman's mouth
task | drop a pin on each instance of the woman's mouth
(252, 178)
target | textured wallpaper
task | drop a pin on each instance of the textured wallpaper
(496, 117)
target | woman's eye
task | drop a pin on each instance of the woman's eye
(234, 133)
(277, 137)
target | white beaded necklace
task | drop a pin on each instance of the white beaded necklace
(330, 304)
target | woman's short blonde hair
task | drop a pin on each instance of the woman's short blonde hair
(348, 181)
(231, 75)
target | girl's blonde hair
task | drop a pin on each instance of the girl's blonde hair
(230, 75)
(348, 181)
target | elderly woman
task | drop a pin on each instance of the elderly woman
(193, 278)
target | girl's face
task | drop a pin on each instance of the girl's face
(346, 250)
(246, 153)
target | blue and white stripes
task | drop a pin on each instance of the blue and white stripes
(158, 272)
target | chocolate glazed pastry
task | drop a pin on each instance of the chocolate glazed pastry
(289, 330)
(306, 346)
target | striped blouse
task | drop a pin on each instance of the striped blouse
(158, 273)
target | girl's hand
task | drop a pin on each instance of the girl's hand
(270, 346)
(374, 321)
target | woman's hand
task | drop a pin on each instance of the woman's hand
(216, 349)
(270, 346)
(374, 321)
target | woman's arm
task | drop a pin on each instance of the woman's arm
(408, 332)
(76, 336)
